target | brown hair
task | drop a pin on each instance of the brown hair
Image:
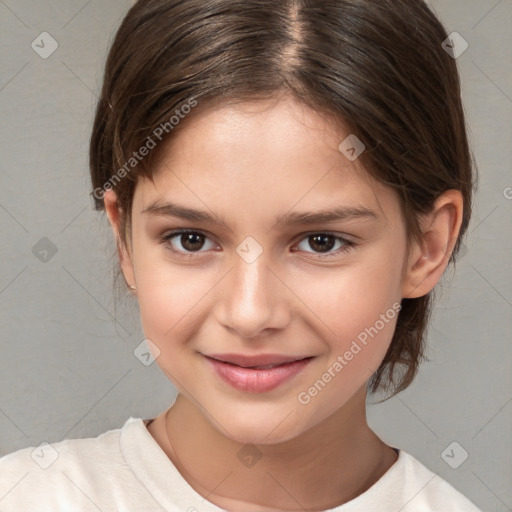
(376, 65)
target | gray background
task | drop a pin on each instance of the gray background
(68, 369)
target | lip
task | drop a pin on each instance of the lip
(256, 360)
(256, 374)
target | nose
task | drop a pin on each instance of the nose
(254, 301)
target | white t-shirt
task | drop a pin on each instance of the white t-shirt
(125, 470)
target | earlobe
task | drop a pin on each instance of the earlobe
(114, 216)
(431, 256)
(112, 210)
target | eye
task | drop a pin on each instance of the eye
(190, 241)
(193, 241)
(323, 243)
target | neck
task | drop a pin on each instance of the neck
(322, 468)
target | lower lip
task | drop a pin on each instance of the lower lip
(257, 381)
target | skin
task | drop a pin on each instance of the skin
(251, 163)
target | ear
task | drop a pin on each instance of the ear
(429, 258)
(114, 214)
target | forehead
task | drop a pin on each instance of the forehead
(271, 154)
(281, 126)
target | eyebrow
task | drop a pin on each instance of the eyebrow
(291, 218)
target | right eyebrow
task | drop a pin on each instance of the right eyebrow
(168, 209)
(173, 210)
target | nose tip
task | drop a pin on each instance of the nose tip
(251, 303)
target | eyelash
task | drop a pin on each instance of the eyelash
(346, 247)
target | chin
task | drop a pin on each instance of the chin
(261, 438)
(263, 431)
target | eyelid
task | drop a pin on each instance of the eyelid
(346, 239)
(336, 234)
(168, 236)
(347, 244)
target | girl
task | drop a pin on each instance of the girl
(287, 182)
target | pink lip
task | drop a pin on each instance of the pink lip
(236, 370)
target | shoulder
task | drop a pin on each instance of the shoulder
(72, 471)
(409, 486)
(429, 491)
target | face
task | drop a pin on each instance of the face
(261, 273)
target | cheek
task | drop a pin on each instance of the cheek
(169, 310)
(348, 300)
(358, 309)
(169, 297)
(168, 307)
(363, 330)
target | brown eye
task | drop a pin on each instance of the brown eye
(192, 241)
(322, 244)
(186, 242)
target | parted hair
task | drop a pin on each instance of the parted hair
(376, 65)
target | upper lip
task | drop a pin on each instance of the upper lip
(256, 360)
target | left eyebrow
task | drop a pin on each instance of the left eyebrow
(291, 218)
(337, 214)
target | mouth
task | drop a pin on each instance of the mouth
(256, 374)
(262, 362)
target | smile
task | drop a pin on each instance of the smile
(256, 374)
